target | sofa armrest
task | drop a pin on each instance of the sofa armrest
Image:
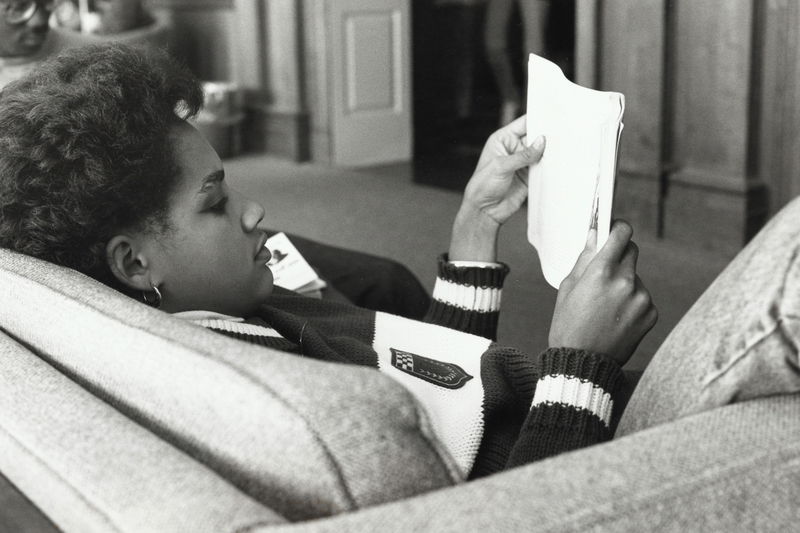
(735, 468)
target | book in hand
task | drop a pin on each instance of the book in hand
(289, 268)
(572, 188)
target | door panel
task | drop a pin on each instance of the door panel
(371, 111)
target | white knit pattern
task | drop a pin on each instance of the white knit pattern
(484, 300)
(575, 393)
(455, 414)
(237, 327)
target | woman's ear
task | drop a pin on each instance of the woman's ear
(127, 262)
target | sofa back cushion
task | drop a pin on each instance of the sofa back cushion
(90, 468)
(738, 342)
(301, 437)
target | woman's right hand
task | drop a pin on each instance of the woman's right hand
(602, 305)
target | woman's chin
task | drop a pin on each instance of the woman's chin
(264, 291)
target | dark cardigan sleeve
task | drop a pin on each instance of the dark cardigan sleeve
(533, 408)
(537, 407)
(571, 407)
(467, 298)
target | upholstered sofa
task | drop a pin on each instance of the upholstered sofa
(117, 417)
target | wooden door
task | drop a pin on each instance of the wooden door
(371, 81)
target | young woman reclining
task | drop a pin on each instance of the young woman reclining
(101, 172)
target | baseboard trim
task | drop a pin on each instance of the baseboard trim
(636, 200)
(282, 133)
(715, 215)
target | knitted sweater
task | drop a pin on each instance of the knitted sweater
(492, 406)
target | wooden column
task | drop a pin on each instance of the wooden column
(632, 61)
(201, 34)
(715, 198)
(247, 61)
(586, 42)
(277, 120)
(779, 158)
(318, 76)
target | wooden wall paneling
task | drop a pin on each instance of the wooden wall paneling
(192, 4)
(779, 157)
(712, 200)
(587, 46)
(282, 59)
(277, 120)
(247, 61)
(317, 77)
(712, 90)
(632, 40)
(201, 36)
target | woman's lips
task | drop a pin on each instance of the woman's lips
(264, 255)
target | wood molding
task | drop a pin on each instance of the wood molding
(706, 179)
(778, 156)
(637, 200)
(714, 219)
(192, 4)
(587, 49)
(281, 133)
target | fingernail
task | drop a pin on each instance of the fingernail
(538, 143)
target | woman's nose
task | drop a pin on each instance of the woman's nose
(253, 214)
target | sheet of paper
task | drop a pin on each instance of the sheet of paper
(572, 187)
(289, 268)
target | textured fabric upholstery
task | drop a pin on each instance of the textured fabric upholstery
(303, 438)
(116, 417)
(740, 339)
(93, 469)
(734, 469)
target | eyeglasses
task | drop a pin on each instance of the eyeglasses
(21, 11)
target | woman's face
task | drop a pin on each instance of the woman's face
(213, 257)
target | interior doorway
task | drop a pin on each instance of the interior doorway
(451, 121)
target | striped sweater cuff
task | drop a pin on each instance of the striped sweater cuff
(571, 407)
(578, 380)
(468, 298)
(487, 277)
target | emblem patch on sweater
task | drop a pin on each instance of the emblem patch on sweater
(445, 375)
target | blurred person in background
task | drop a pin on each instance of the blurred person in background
(464, 15)
(24, 32)
(534, 15)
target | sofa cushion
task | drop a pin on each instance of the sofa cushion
(741, 336)
(93, 469)
(303, 437)
(734, 469)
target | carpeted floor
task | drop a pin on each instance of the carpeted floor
(389, 211)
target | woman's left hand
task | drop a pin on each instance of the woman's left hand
(499, 185)
(497, 189)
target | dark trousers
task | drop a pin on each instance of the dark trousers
(366, 280)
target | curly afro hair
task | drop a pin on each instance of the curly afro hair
(85, 152)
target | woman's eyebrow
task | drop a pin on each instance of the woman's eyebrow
(212, 179)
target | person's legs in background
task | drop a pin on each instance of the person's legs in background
(495, 40)
(534, 23)
(466, 18)
(495, 37)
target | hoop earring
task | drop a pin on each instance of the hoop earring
(156, 303)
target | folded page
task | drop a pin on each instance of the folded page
(572, 187)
